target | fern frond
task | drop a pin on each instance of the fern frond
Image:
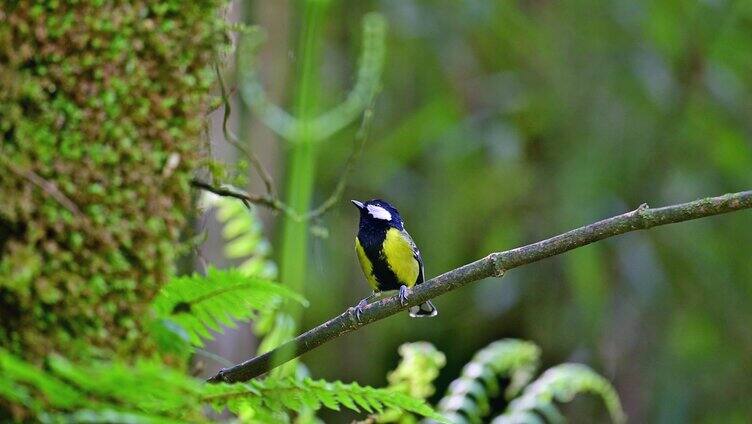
(561, 384)
(417, 370)
(274, 394)
(20, 380)
(245, 241)
(467, 399)
(202, 303)
(146, 385)
(147, 392)
(413, 376)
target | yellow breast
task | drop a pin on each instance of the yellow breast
(400, 257)
(365, 265)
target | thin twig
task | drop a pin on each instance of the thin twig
(493, 265)
(231, 92)
(229, 191)
(233, 139)
(47, 186)
(360, 142)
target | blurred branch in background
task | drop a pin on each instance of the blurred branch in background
(323, 126)
(493, 265)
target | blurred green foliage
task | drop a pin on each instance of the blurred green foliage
(417, 370)
(509, 363)
(561, 384)
(504, 122)
(469, 397)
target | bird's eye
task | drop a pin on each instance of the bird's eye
(379, 213)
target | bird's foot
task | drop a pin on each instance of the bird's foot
(359, 309)
(403, 293)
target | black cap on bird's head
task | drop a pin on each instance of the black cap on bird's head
(377, 211)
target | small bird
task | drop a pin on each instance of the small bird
(388, 256)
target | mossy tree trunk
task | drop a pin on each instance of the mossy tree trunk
(101, 116)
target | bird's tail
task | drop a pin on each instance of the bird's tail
(424, 310)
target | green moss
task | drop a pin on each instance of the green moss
(94, 98)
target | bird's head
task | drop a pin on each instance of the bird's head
(378, 212)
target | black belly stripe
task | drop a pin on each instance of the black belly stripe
(372, 241)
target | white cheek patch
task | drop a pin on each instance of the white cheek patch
(379, 213)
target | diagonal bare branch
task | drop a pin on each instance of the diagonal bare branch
(48, 187)
(493, 265)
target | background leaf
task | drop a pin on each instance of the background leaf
(561, 384)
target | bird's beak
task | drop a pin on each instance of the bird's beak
(357, 204)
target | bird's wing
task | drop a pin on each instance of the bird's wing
(416, 255)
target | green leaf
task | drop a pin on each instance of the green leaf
(471, 392)
(199, 304)
(145, 392)
(413, 376)
(14, 370)
(561, 384)
(147, 385)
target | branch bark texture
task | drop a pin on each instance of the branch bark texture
(493, 265)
